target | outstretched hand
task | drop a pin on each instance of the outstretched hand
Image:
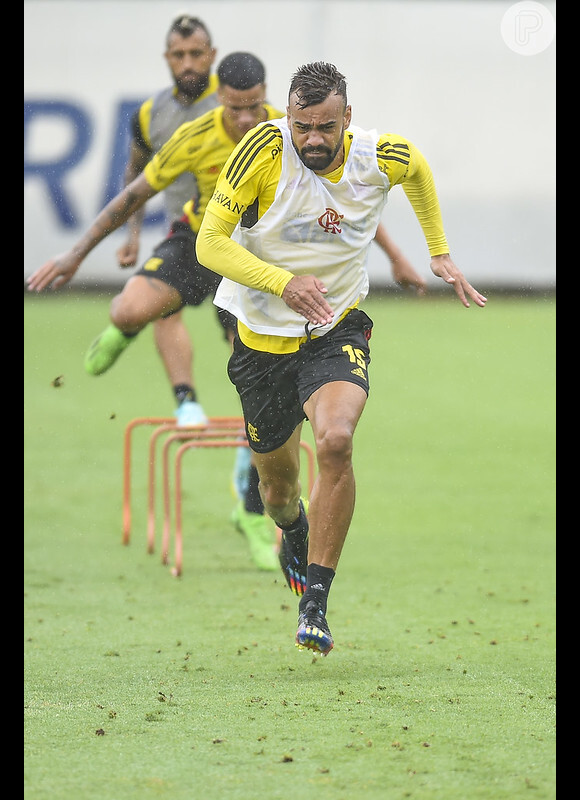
(55, 273)
(443, 267)
(305, 295)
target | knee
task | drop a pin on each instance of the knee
(334, 447)
(125, 314)
(278, 493)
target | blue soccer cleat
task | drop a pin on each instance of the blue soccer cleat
(313, 632)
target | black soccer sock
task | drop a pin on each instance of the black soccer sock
(297, 528)
(318, 582)
(183, 391)
(252, 501)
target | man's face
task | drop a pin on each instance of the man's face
(190, 61)
(243, 109)
(318, 132)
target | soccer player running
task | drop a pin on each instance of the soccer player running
(305, 195)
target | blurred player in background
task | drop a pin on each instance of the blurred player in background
(189, 55)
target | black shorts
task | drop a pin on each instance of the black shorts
(174, 262)
(273, 388)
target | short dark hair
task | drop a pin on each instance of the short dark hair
(186, 26)
(314, 82)
(241, 71)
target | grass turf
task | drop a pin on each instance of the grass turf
(441, 682)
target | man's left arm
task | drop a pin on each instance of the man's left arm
(217, 251)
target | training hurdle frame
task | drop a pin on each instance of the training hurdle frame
(162, 425)
(218, 432)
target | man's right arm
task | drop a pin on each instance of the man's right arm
(60, 270)
(218, 252)
(128, 252)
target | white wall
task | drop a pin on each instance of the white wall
(439, 73)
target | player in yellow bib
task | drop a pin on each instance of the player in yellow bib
(304, 196)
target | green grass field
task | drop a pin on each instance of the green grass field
(441, 686)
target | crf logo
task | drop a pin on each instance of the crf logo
(330, 221)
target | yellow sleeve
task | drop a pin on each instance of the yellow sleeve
(247, 183)
(404, 164)
(218, 252)
(171, 160)
(252, 171)
(145, 122)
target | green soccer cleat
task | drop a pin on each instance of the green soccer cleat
(105, 350)
(313, 632)
(260, 537)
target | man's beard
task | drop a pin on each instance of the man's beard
(318, 158)
(192, 84)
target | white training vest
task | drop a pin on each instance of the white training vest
(313, 227)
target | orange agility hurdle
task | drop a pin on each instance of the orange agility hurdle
(188, 445)
(127, 456)
(217, 428)
(164, 424)
(217, 432)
